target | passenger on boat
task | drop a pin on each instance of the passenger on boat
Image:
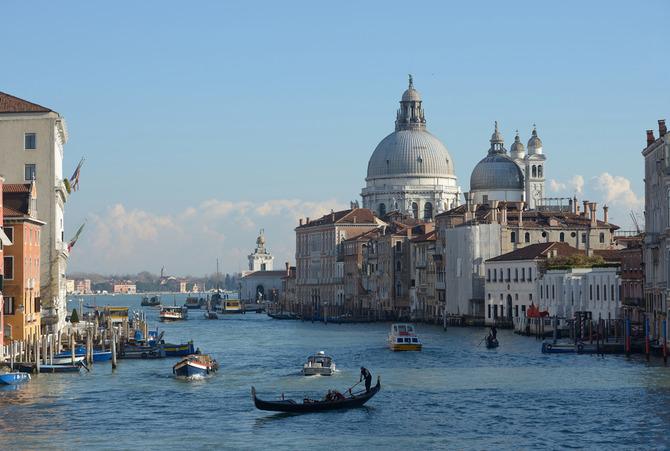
(365, 374)
(197, 351)
(329, 396)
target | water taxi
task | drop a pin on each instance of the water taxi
(229, 306)
(403, 338)
(319, 364)
(195, 365)
(173, 313)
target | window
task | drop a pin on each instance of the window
(539, 171)
(30, 140)
(509, 275)
(398, 266)
(604, 292)
(488, 275)
(9, 305)
(512, 237)
(523, 274)
(398, 246)
(526, 237)
(9, 231)
(382, 209)
(530, 277)
(583, 238)
(516, 274)
(415, 210)
(30, 171)
(534, 171)
(561, 237)
(398, 289)
(602, 237)
(9, 268)
(428, 211)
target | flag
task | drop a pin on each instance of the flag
(74, 240)
(74, 180)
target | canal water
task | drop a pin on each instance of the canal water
(455, 394)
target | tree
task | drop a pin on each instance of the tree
(74, 318)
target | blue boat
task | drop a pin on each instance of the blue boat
(195, 365)
(180, 349)
(98, 356)
(13, 378)
(30, 367)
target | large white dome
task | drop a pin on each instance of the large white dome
(410, 152)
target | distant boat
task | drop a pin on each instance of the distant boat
(569, 347)
(192, 302)
(314, 405)
(319, 365)
(230, 306)
(151, 301)
(211, 315)
(180, 349)
(195, 365)
(403, 338)
(173, 313)
(13, 378)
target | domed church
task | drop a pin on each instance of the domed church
(515, 178)
(411, 171)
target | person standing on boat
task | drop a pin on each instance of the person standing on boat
(494, 331)
(365, 374)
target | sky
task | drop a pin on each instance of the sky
(202, 123)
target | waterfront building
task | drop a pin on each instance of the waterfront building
(475, 232)
(411, 171)
(33, 138)
(657, 226)
(287, 298)
(633, 279)
(84, 286)
(260, 282)
(69, 286)
(319, 271)
(3, 242)
(122, 288)
(423, 303)
(21, 262)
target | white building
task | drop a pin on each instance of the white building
(260, 282)
(31, 147)
(411, 171)
(261, 259)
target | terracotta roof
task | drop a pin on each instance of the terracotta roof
(538, 251)
(9, 212)
(430, 236)
(11, 104)
(16, 188)
(353, 216)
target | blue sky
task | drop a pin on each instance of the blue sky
(202, 123)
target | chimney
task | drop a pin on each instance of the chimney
(519, 206)
(650, 137)
(332, 217)
(593, 206)
(503, 213)
(570, 206)
(288, 269)
(493, 204)
(576, 205)
(586, 207)
(300, 222)
(662, 130)
(606, 218)
(307, 221)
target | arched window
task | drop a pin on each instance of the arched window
(602, 237)
(428, 211)
(539, 171)
(604, 292)
(561, 237)
(398, 289)
(415, 210)
(526, 237)
(398, 266)
(534, 171)
(512, 237)
(382, 209)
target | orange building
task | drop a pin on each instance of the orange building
(21, 262)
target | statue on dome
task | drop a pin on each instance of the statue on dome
(260, 242)
(411, 84)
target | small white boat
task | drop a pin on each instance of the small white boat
(173, 313)
(78, 358)
(319, 365)
(403, 338)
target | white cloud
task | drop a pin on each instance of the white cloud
(616, 191)
(570, 187)
(119, 242)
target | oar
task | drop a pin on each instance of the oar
(353, 388)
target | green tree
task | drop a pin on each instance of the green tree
(74, 318)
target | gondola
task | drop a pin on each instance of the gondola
(491, 343)
(313, 405)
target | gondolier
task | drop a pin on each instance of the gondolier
(365, 374)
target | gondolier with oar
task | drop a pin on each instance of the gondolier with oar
(365, 374)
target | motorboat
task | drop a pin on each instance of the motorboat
(193, 302)
(230, 306)
(319, 365)
(568, 347)
(403, 338)
(152, 301)
(173, 313)
(315, 405)
(211, 315)
(195, 365)
(13, 378)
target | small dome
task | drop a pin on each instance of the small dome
(517, 146)
(534, 142)
(496, 137)
(496, 172)
(411, 95)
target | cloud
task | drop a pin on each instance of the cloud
(616, 191)
(574, 185)
(118, 242)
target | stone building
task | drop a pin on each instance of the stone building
(260, 283)
(32, 138)
(657, 225)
